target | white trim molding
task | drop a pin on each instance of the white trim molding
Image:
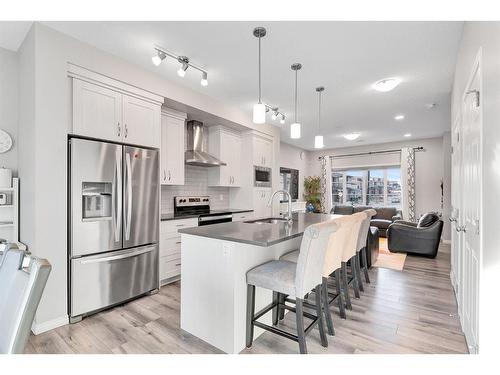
(49, 325)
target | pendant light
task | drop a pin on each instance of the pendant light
(318, 140)
(259, 109)
(295, 127)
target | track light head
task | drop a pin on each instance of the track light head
(184, 65)
(204, 79)
(158, 58)
(282, 121)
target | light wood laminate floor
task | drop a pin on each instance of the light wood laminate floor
(413, 311)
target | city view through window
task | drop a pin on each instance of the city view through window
(372, 187)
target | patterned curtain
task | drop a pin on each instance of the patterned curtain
(408, 183)
(326, 184)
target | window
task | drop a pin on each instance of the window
(373, 187)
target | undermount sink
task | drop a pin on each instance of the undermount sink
(269, 220)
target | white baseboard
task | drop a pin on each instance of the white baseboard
(38, 328)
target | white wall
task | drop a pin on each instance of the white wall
(290, 158)
(429, 167)
(8, 105)
(485, 35)
(44, 127)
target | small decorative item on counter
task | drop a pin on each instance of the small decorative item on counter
(309, 208)
(5, 178)
(312, 193)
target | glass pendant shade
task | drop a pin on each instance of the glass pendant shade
(295, 130)
(259, 113)
(318, 141)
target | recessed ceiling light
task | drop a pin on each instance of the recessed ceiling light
(408, 135)
(351, 136)
(399, 117)
(386, 84)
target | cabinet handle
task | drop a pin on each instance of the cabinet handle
(119, 130)
(264, 160)
(169, 175)
(178, 242)
(126, 130)
(179, 225)
(177, 264)
(164, 175)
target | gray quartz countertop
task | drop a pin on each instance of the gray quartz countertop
(172, 216)
(259, 234)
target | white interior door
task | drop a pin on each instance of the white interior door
(471, 205)
(456, 209)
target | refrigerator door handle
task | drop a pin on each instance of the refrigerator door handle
(128, 254)
(118, 196)
(129, 196)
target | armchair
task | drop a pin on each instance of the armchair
(420, 238)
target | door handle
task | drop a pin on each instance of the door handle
(128, 254)
(129, 196)
(118, 197)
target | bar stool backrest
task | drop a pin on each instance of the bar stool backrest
(365, 226)
(338, 241)
(352, 243)
(20, 291)
(312, 256)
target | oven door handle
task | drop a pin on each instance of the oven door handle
(214, 218)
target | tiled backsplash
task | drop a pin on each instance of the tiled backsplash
(196, 183)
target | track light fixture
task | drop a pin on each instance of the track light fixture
(162, 53)
(276, 114)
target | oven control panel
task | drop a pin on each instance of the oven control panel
(192, 201)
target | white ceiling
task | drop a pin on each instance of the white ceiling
(345, 57)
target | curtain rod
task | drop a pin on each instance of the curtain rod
(419, 148)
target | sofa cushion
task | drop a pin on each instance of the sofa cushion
(342, 209)
(426, 220)
(385, 213)
(381, 223)
(360, 209)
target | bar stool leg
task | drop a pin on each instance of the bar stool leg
(328, 314)
(345, 286)
(275, 308)
(250, 313)
(299, 315)
(365, 264)
(340, 298)
(319, 313)
(355, 284)
(358, 272)
(281, 310)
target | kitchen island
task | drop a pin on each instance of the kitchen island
(215, 260)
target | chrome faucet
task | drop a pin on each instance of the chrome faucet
(288, 215)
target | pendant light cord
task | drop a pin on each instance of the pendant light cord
(319, 114)
(260, 88)
(295, 96)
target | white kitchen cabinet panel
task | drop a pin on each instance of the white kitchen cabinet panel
(262, 152)
(172, 149)
(141, 122)
(260, 200)
(226, 146)
(97, 111)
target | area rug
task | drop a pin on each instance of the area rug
(386, 259)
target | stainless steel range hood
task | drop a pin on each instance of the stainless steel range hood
(196, 154)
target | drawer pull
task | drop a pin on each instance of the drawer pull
(178, 264)
(179, 225)
(178, 242)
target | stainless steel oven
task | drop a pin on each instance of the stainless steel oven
(262, 176)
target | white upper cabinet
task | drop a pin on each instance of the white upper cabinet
(97, 111)
(225, 145)
(141, 122)
(262, 152)
(172, 148)
(113, 111)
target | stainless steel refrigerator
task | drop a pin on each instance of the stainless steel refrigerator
(114, 224)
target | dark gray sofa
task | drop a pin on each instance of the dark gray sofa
(385, 215)
(420, 238)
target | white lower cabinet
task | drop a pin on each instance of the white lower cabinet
(243, 216)
(170, 248)
(260, 199)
